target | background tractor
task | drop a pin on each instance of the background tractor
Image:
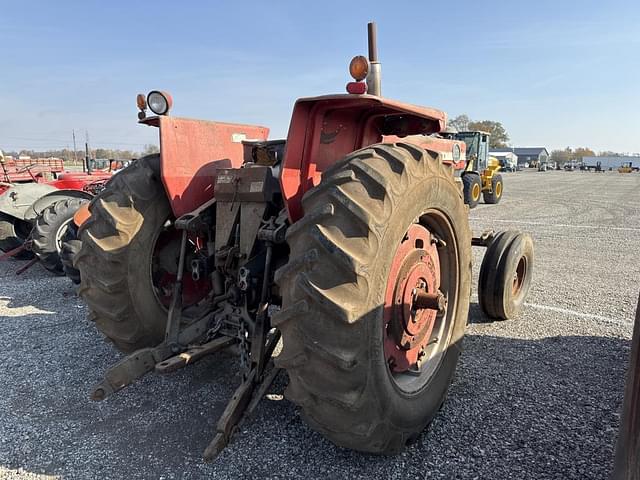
(34, 215)
(348, 245)
(480, 174)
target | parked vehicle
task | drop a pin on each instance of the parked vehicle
(44, 207)
(479, 171)
(352, 245)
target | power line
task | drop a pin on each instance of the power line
(75, 150)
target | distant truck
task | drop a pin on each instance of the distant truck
(591, 166)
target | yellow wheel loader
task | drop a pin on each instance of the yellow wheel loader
(481, 172)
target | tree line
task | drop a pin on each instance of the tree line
(572, 155)
(69, 156)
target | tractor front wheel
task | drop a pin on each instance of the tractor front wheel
(13, 233)
(505, 274)
(376, 297)
(49, 231)
(471, 188)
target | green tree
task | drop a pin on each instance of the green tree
(460, 123)
(499, 136)
(560, 156)
(102, 153)
(581, 152)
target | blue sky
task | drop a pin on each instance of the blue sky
(554, 73)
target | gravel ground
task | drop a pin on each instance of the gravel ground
(538, 397)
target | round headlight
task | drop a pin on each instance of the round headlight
(159, 102)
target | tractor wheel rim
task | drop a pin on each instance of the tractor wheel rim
(416, 337)
(498, 189)
(165, 254)
(60, 233)
(475, 192)
(519, 275)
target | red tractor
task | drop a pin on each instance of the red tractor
(342, 256)
(34, 208)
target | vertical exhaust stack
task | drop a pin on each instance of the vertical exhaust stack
(375, 73)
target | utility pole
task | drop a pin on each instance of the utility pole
(86, 147)
(86, 158)
(75, 153)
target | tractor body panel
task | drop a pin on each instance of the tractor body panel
(78, 180)
(26, 201)
(18, 199)
(452, 152)
(191, 153)
(325, 129)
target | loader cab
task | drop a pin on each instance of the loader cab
(477, 149)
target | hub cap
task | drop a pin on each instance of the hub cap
(475, 191)
(412, 299)
(164, 269)
(519, 276)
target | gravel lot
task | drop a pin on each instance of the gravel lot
(538, 397)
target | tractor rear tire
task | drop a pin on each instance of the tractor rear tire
(472, 188)
(13, 233)
(497, 188)
(505, 275)
(70, 247)
(334, 295)
(49, 230)
(116, 254)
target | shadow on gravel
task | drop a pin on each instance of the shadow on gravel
(521, 409)
(476, 315)
(518, 408)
